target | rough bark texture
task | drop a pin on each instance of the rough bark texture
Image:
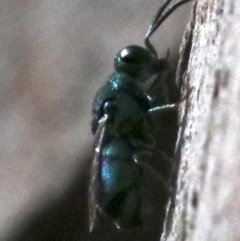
(208, 183)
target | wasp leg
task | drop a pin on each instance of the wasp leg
(156, 190)
(161, 84)
(170, 107)
(152, 172)
(99, 212)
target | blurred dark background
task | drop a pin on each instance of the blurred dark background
(55, 55)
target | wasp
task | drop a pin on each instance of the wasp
(124, 129)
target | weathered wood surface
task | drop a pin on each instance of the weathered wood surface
(208, 185)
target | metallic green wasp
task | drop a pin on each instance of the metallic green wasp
(122, 177)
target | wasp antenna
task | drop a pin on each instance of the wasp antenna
(157, 16)
(150, 47)
(160, 17)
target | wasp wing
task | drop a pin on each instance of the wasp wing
(94, 182)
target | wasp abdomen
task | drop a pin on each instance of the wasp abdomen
(120, 187)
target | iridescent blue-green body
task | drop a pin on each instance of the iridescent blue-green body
(128, 129)
(120, 192)
(125, 133)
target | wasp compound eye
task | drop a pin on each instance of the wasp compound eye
(133, 55)
(133, 59)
